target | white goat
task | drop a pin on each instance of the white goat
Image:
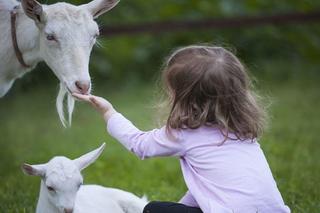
(61, 34)
(62, 190)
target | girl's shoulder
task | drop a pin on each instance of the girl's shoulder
(202, 130)
(211, 133)
(201, 133)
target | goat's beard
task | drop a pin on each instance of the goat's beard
(63, 91)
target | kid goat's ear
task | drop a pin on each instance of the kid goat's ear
(98, 7)
(35, 170)
(85, 160)
(34, 10)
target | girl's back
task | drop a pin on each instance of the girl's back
(235, 173)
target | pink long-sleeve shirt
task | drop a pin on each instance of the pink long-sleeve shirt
(230, 178)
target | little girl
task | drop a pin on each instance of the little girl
(212, 127)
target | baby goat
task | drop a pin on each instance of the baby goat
(62, 190)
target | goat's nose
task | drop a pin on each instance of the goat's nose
(68, 210)
(83, 86)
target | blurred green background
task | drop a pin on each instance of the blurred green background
(284, 59)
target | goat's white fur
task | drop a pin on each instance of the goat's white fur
(64, 176)
(75, 29)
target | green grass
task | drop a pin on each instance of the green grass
(30, 132)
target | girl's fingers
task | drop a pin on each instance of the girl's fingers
(93, 96)
(81, 97)
(94, 101)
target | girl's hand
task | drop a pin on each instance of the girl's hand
(100, 104)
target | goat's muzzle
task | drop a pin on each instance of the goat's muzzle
(83, 86)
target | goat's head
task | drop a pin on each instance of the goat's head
(67, 35)
(61, 178)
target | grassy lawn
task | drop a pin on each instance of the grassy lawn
(30, 132)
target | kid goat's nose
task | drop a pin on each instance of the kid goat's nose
(68, 210)
(83, 86)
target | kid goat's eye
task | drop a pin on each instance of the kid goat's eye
(51, 37)
(51, 189)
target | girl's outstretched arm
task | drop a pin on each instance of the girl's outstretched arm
(143, 144)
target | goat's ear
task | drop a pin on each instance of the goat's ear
(98, 7)
(34, 10)
(35, 170)
(85, 160)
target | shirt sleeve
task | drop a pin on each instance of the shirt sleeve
(188, 200)
(145, 144)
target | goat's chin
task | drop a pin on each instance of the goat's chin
(63, 92)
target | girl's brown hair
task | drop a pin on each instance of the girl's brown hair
(208, 85)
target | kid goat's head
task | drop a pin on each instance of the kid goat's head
(67, 35)
(61, 179)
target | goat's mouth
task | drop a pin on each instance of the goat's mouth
(76, 89)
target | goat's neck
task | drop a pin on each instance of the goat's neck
(44, 205)
(28, 35)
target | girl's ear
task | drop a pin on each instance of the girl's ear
(85, 160)
(34, 170)
(99, 7)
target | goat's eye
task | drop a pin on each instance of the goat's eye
(51, 37)
(51, 189)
